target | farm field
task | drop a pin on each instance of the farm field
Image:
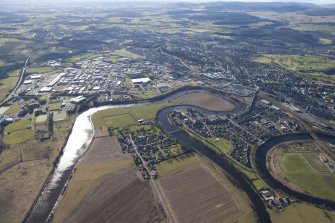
(207, 101)
(303, 171)
(195, 195)
(302, 213)
(121, 197)
(298, 62)
(136, 112)
(306, 171)
(178, 164)
(103, 158)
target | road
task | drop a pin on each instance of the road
(157, 189)
(18, 84)
(320, 144)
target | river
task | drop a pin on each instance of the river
(82, 135)
(261, 165)
(77, 144)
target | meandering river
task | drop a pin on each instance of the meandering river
(83, 133)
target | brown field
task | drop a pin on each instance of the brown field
(104, 157)
(203, 100)
(104, 149)
(195, 195)
(121, 197)
(19, 186)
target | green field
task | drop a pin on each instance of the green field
(119, 121)
(18, 132)
(54, 106)
(307, 172)
(177, 164)
(125, 53)
(8, 83)
(298, 62)
(38, 70)
(41, 119)
(223, 144)
(302, 213)
(136, 112)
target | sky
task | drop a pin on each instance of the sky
(319, 2)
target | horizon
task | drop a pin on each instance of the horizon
(316, 2)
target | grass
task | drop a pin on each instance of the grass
(320, 77)
(54, 106)
(298, 62)
(302, 213)
(325, 41)
(13, 109)
(223, 144)
(18, 136)
(3, 109)
(258, 183)
(38, 70)
(125, 53)
(179, 163)
(119, 121)
(137, 112)
(7, 156)
(8, 83)
(8, 40)
(18, 132)
(306, 172)
(41, 119)
(35, 153)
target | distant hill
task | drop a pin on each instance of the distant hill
(329, 11)
(260, 6)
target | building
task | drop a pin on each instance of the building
(137, 82)
(78, 100)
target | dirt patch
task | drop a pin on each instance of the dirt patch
(104, 149)
(19, 187)
(122, 197)
(207, 101)
(195, 195)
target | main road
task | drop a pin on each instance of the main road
(18, 83)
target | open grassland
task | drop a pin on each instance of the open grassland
(104, 157)
(137, 112)
(7, 84)
(13, 109)
(204, 100)
(119, 121)
(19, 186)
(196, 195)
(9, 157)
(38, 70)
(302, 213)
(18, 132)
(319, 77)
(223, 144)
(307, 172)
(126, 53)
(298, 62)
